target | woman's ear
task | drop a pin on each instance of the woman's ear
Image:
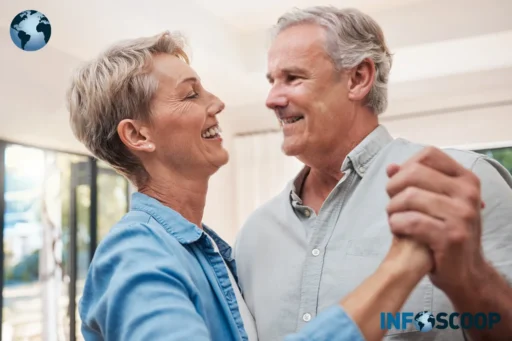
(135, 136)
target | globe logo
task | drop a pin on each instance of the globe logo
(424, 321)
(30, 30)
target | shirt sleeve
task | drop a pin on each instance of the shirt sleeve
(135, 292)
(332, 324)
(496, 187)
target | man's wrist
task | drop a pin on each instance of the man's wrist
(474, 289)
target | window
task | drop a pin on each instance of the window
(502, 155)
(39, 212)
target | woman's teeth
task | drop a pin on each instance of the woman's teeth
(212, 132)
(291, 119)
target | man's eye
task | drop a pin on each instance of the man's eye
(291, 78)
(192, 95)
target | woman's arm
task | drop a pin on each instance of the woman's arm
(358, 315)
(134, 292)
(389, 287)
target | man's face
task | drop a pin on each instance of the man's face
(308, 95)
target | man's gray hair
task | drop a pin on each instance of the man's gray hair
(351, 36)
(117, 85)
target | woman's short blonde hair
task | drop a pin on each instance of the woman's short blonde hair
(117, 85)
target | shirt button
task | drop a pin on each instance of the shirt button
(361, 169)
(315, 252)
(307, 213)
(306, 317)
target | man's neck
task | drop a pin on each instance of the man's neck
(326, 165)
(184, 195)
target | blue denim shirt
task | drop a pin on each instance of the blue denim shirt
(156, 276)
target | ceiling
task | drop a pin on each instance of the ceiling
(431, 40)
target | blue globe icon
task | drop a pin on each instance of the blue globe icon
(424, 321)
(30, 30)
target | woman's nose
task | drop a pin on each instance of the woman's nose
(216, 107)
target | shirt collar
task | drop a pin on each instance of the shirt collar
(362, 155)
(224, 248)
(359, 158)
(183, 230)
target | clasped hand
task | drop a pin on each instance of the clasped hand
(437, 202)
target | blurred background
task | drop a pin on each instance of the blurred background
(450, 86)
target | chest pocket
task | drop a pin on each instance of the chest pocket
(365, 255)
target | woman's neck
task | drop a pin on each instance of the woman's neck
(184, 195)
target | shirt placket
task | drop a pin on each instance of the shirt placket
(221, 273)
(322, 230)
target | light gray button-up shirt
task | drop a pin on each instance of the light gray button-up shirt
(293, 264)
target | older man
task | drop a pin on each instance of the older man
(332, 225)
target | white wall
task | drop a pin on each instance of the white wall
(474, 128)
(220, 207)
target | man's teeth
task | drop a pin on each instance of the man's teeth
(291, 119)
(212, 132)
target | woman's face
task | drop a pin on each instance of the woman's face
(184, 130)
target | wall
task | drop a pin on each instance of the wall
(219, 213)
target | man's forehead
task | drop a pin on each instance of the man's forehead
(288, 55)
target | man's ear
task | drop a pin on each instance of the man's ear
(135, 136)
(361, 80)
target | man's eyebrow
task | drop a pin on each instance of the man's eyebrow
(287, 71)
(293, 69)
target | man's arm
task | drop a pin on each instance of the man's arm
(357, 317)
(491, 290)
(490, 293)
(436, 201)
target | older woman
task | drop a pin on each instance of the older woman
(160, 273)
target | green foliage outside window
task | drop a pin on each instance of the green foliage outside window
(502, 155)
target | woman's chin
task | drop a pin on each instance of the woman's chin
(219, 158)
(223, 157)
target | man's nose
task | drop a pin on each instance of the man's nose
(276, 98)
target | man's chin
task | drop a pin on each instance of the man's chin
(290, 149)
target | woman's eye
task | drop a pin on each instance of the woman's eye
(192, 95)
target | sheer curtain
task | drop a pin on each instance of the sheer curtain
(261, 171)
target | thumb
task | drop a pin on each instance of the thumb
(392, 169)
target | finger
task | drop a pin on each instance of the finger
(418, 226)
(420, 176)
(392, 169)
(417, 199)
(437, 159)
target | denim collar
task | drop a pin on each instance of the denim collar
(175, 224)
